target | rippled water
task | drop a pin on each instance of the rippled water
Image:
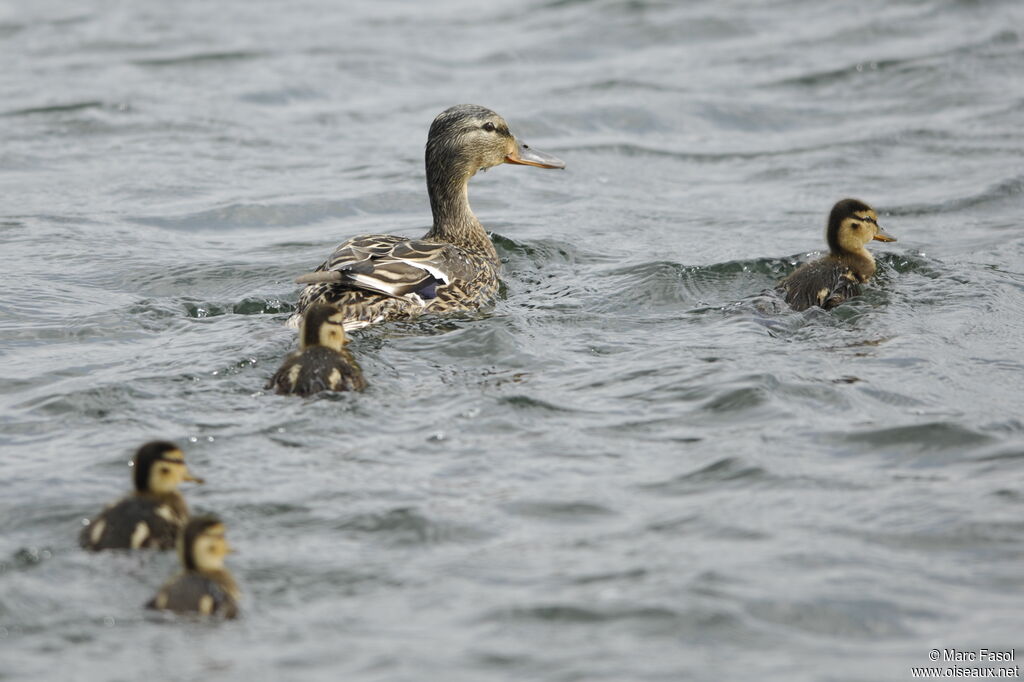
(636, 466)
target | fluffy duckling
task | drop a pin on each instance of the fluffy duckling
(203, 585)
(151, 516)
(322, 363)
(829, 281)
(454, 266)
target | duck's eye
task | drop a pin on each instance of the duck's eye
(489, 127)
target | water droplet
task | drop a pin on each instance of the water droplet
(109, 621)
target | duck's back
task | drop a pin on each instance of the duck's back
(384, 277)
(136, 522)
(194, 592)
(317, 369)
(825, 283)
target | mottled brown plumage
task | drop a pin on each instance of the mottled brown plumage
(454, 267)
(203, 586)
(837, 277)
(151, 516)
(322, 363)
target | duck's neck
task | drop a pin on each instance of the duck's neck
(454, 221)
(860, 262)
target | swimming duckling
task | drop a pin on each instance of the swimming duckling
(151, 516)
(454, 266)
(829, 281)
(203, 585)
(322, 362)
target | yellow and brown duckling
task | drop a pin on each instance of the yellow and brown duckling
(203, 586)
(454, 266)
(829, 281)
(151, 516)
(322, 363)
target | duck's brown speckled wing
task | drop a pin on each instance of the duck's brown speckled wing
(824, 283)
(193, 592)
(136, 522)
(317, 369)
(385, 277)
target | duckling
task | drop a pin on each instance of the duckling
(149, 517)
(322, 362)
(829, 281)
(203, 585)
(454, 266)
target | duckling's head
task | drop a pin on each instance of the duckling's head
(323, 325)
(467, 138)
(851, 225)
(160, 467)
(202, 545)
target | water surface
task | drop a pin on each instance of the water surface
(636, 466)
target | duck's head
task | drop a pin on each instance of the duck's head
(467, 138)
(323, 325)
(159, 467)
(851, 225)
(202, 545)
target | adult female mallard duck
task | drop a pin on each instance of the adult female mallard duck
(151, 516)
(322, 363)
(203, 585)
(454, 266)
(829, 281)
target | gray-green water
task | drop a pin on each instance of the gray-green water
(633, 468)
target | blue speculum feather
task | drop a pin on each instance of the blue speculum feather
(428, 291)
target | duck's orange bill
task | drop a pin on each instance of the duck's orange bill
(884, 237)
(525, 156)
